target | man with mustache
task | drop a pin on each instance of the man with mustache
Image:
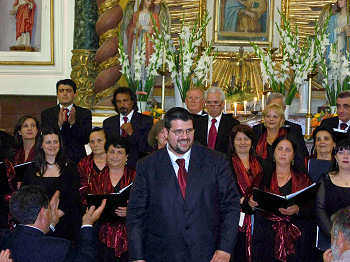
(184, 205)
(340, 251)
(129, 124)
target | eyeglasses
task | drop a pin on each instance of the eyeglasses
(213, 103)
(181, 132)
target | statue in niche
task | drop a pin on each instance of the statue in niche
(24, 10)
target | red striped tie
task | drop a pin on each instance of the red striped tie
(182, 176)
(212, 134)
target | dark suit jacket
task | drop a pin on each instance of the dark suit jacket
(333, 122)
(31, 245)
(162, 226)
(141, 124)
(227, 122)
(75, 136)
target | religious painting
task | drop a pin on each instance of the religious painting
(26, 32)
(138, 23)
(243, 21)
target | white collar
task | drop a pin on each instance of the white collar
(174, 157)
(68, 107)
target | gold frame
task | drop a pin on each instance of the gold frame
(217, 41)
(51, 58)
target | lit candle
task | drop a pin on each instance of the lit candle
(245, 107)
(255, 100)
(235, 107)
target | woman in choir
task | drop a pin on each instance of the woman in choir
(247, 170)
(53, 171)
(25, 133)
(157, 137)
(112, 230)
(334, 191)
(285, 235)
(273, 129)
(95, 163)
(322, 153)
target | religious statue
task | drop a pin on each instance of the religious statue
(140, 28)
(245, 16)
(338, 27)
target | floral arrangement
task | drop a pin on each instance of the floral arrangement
(317, 118)
(298, 61)
(157, 113)
(140, 75)
(186, 63)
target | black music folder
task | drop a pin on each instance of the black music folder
(272, 202)
(114, 200)
(21, 169)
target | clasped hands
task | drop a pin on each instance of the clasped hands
(62, 117)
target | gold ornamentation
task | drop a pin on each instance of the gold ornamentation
(112, 61)
(107, 35)
(84, 74)
(106, 5)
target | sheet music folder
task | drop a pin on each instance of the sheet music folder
(272, 202)
(21, 169)
(114, 200)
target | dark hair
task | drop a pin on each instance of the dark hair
(18, 126)
(98, 129)
(248, 131)
(26, 203)
(124, 90)
(118, 143)
(40, 160)
(344, 94)
(154, 132)
(298, 165)
(314, 134)
(343, 144)
(176, 113)
(67, 82)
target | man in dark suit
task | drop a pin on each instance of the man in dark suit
(129, 124)
(184, 205)
(195, 101)
(214, 129)
(340, 123)
(30, 206)
(74, 122)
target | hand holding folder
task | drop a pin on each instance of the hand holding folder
(272, 202)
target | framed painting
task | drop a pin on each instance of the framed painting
(27, 32)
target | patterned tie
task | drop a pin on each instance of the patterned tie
(124, 134)
(66, 111)
(212, 134)
(343, 126)
(182, 176)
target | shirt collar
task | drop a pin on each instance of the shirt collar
(129, 116)
(174, 157)
(218, 118)
(68, 107)
(33, 227)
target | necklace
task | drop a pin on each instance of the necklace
(50, 164)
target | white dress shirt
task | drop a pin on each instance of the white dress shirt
(340, 122)
(121, 119)
(218, 119)
(174, 157)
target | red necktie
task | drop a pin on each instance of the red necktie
(124, 134)
(182, 176)
(66, 111)
(212, 134)
(343, 126)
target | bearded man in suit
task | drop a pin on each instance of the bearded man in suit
(184, 205)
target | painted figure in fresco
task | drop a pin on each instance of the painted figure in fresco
(245, 16)
(141, 28)
(24, 10)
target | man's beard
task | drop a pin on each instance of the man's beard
(178, 150)
(123, 110)
(335, 251)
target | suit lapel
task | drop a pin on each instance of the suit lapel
(194, 173)
(222, 127)
(169, 176)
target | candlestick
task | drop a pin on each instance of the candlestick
(163, 81)
(255, 100)
(245, 107)
(225, 106)
(263, 102)
(235, 108)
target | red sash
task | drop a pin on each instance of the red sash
(261, 147)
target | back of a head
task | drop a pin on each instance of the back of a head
(26, 203)
(341, 223)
